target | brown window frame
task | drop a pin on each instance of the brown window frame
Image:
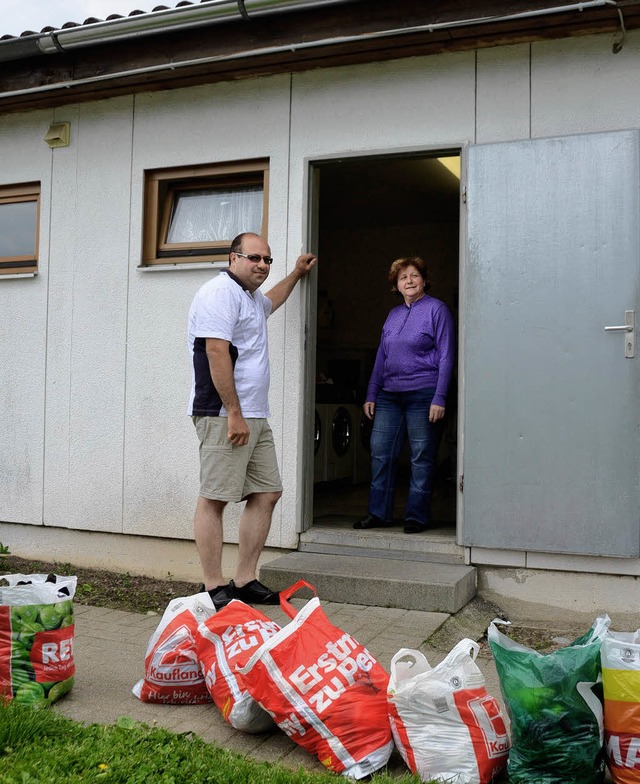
(15, 194)
(160, 188)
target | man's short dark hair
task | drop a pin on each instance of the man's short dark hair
(236, 243)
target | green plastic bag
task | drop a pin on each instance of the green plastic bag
(556, 715)
(37, 666)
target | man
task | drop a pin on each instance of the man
(229, 405)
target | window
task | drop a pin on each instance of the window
(19, 220)
(193, 213)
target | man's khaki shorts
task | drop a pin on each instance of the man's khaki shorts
(231, 473)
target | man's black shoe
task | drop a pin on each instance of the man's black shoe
(255, 593)
(371, 521)
(221, 595)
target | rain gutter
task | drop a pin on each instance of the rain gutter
(171, 20)
(110, 31)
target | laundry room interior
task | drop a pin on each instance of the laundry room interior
(372, 211)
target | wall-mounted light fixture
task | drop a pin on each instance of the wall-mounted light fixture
(58, 135)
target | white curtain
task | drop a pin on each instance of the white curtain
(215, 215)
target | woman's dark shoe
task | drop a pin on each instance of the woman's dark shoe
(413, 527)
(371, 521)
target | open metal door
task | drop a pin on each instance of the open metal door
(551, 399)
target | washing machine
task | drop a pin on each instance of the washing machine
(362, 451)
(340, 440)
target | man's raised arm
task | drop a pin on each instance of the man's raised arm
(279, 293)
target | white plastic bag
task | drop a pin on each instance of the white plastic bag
(445, 725)
(25, 589)
(172, 672)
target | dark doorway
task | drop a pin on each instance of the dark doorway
(370, 212)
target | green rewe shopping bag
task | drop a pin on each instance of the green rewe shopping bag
(36, 637)
(554, 703)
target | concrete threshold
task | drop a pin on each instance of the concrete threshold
(437, 545)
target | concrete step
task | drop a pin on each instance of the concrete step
(437, 545)
(379, 582)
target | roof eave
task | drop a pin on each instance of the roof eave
(142, 25)
(292, 42)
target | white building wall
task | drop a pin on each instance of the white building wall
(24, 157)
(579, 85)
(87, 323)
(119, 452)
(502, 94)
(209, 124)
(403, 104)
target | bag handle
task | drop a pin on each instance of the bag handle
(600, 628)
(412, 657)
(288, 593)
(464, 648)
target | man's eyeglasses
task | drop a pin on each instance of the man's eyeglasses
(254, 257)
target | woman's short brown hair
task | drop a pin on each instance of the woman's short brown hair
(408, 261)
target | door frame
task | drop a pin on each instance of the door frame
(312, 170)
(462, 302)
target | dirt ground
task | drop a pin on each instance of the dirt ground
(100, 588)
(147, 595)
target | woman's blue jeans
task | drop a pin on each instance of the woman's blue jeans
(399, 415)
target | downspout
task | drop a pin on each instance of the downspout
(292, 47)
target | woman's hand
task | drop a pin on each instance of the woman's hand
(435, 413)
(369, 407)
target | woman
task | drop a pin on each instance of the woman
(407, 394)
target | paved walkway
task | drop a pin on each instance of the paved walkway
(110, 647)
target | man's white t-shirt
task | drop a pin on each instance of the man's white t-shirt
(223, 308)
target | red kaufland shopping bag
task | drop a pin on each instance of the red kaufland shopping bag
(324, 689)
(224, 643)
(172, 673)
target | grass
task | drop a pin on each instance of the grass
(40, 747)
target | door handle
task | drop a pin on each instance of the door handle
(630, 337)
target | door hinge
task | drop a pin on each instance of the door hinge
(461, 485)
(464, 195)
